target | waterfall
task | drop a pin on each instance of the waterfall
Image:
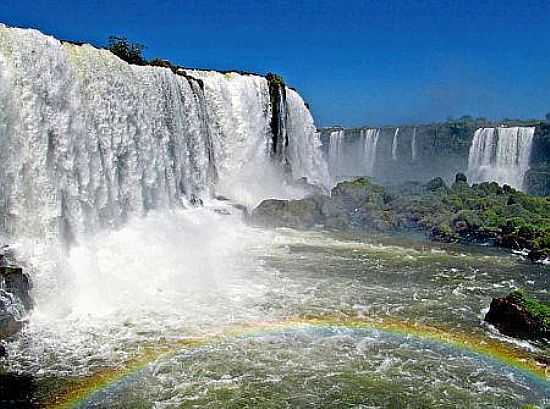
(394, 145)
(413, 145)
(87, 140)
(370, 141)
(352, 155)
(501, 155)
(304, 152)
(335, 154)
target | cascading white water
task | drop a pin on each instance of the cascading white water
(370, 142)
(354, 157)
(87, 139)
(394, 145)
(413, 145)
(303, 153)
(500, 155)
(335, 155)
(90, 144)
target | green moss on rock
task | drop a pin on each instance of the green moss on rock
(536, 309)
(519, 315)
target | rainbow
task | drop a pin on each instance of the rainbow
(488, 348)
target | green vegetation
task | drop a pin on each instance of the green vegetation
(132, 53)
(158, 62)
(483, 212)
(538, 310)
(275, 80)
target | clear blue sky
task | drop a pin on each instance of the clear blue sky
(355, 62)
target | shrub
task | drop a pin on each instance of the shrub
(537, 309)
(132, 53)
(275, 79)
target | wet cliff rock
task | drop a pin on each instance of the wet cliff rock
(518, 315)
(15, 299)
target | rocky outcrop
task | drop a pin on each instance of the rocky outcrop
(485, 213)
(520, 316)
(355, 204)
(15, 299)
(305, 213)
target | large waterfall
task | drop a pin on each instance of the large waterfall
(501, 155)
(87, 140)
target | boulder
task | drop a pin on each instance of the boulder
(304, 213)
(17, 283)
(15, 300)
(520, 316)
(435, 185)
(461, 178)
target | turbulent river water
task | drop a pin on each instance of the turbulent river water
(194, 308)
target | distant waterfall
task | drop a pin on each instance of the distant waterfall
(413, 145)
(370, 141)
(394, 145)
(335, 154)
(500, 155)
(352, 154)
(87, 140)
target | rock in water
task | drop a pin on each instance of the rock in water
(17, 283)
(303, 213)
(15, 300)
(520, 316)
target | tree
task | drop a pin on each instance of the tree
(548, 116)
(129, 52)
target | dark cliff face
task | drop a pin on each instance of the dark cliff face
(541, 145)
(441, 150)
(537, 179)
(277, 93)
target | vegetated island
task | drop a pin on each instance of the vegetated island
(484, 213)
